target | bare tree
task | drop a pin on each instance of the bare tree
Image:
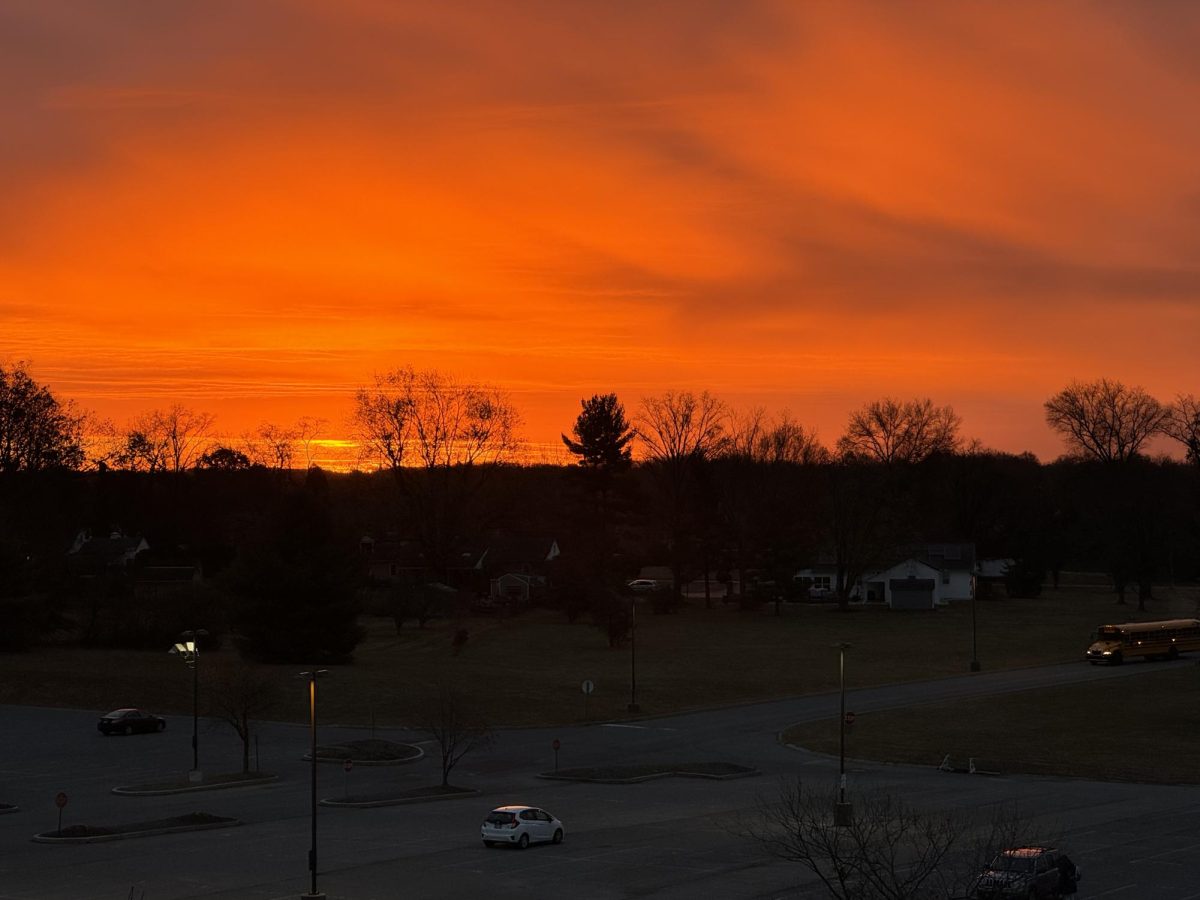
(757, 437)
(142, 449)
(171, 439)
(890, 850)
(681, 433)
(308, 429)
(37, 430)
(275, 445)
(1183, 424)
(440, 438)
(426, 418)
(1104, 419)
(891, 431)
(455, 726)
(677, 428)
(858, 499)
(241, 693)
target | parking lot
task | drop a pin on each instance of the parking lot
(668, 838)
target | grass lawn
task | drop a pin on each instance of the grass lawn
(528, 669)
(1141, 728)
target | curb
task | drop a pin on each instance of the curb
(134, 791)
(729, 776)
(419, 755)
(50, 838)
(398, 801)
(8, 809)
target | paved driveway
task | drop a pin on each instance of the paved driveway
(669, 839)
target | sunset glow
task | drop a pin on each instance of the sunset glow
(253, 208)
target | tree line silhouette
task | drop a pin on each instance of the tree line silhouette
(684, 482)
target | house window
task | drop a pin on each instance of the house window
(945, 577)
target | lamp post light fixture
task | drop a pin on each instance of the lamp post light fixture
(312, 677)
(842, 813)
(188, 648)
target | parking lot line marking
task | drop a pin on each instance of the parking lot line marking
(1114, 890)
(1171, 852)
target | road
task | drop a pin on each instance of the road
(672, 838)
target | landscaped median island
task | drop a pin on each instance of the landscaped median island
(7, 808)
(368, 752)
(185, 785)
(87, 834)
(632, 774)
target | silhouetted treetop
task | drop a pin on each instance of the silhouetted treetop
(224, 458)
(37, 430)
(685, 426)
(602, 434)
(1183, 424)
(426, 418)
(1104, 419)
(891, 431)
(759, 438)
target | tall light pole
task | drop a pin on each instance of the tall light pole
(189, 649)
(312, 713)
(633, 704)
(974, 634)
(842, 812)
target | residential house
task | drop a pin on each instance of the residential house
(91, 557)
(927, 575)
(519, 566)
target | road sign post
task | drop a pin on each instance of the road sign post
(346, 767)
(556, 745)
(60, 800)
(587, 687)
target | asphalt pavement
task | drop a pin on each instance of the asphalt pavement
(671, 838)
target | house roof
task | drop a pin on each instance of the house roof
(909, 568)
(512, 550)
(953, 555)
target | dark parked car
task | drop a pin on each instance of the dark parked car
(1026, 873)
(127, 721)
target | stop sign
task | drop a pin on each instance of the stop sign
(60, 799)
(849, 718)
(556, 744)
(348, 765)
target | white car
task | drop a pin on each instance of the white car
(520, 826)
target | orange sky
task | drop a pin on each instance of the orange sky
(250, 208)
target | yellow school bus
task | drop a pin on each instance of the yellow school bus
(1113, 644)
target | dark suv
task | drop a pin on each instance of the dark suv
(1030, 873)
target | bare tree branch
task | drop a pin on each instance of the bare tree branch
(1104, 419)
(890, 850)
(1183, 424)
(890, 431)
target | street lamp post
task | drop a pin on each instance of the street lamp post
(974, 636)
(189, 649)
(842, 812)
(312, 677)
(633, 704)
